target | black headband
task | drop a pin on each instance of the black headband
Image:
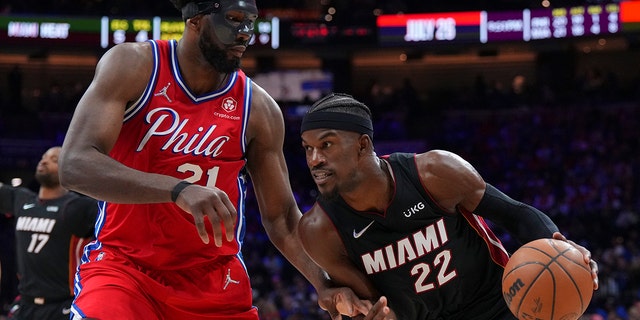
(192, 9)
(336, 120)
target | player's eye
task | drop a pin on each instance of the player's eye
(233, 20)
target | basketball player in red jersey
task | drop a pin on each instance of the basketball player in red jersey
(166, 136)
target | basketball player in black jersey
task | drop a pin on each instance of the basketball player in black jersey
(52, 227)
(407, 231)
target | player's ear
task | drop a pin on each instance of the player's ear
(364, 142)
(194, 22)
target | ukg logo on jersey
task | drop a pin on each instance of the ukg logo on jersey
(229, 105)
(413, 210)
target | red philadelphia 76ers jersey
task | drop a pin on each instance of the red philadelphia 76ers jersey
(197, 138)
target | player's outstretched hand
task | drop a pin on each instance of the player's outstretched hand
(214, 203)
(342, 301)
(587, 257)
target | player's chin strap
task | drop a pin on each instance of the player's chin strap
(192, 9)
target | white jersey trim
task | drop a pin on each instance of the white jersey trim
(142, 101)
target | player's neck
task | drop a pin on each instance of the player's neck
(199, 76)
(200, 82)
(48, 193)
(373, 194)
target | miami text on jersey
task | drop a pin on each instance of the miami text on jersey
(35, 224)
(406, 249)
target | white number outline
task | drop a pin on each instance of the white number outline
(38, 240)
(212, 173)
(423, 270)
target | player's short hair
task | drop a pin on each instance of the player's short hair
(339, 111)
(341, 102)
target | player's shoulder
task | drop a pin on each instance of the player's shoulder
(438, 158)
(440, 166)
(266, 117)
(124, 70)
(314, 219)
(437, 155)
(261, 99)
(18, 191)
(311, 224)
(79, 197)
(127, 57)
(135, 49)
(80, 203)
(315, 224)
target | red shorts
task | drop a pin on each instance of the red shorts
(115, 288)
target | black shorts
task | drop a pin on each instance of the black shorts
(27, 310)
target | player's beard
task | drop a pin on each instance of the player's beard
(334, 192)
(47, 180)
(330, 195)
(217, 57)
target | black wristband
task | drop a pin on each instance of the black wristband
(178, 188)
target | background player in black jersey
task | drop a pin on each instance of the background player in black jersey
(52, 226)
(407, 230)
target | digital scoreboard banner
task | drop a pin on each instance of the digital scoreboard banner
(558, 23)
(22, 30)
(630, 16)
(484, 27)
(458, 27)
(106, 32)
(298, 33)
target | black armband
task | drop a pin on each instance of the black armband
(175, 192)
(523, 221)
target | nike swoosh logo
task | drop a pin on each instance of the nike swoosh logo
(66, 310)
(28, 206)
(361, 232)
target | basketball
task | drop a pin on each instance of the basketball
(547, 279)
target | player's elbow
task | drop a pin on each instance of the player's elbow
(69, 169)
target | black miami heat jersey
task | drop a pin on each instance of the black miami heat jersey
(50, 235)
(430, 264)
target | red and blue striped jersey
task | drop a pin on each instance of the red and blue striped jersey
(197, 138)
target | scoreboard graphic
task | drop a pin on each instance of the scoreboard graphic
(105, 32)
(469, 27)
(525, 25)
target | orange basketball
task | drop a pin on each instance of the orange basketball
(547, 279)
